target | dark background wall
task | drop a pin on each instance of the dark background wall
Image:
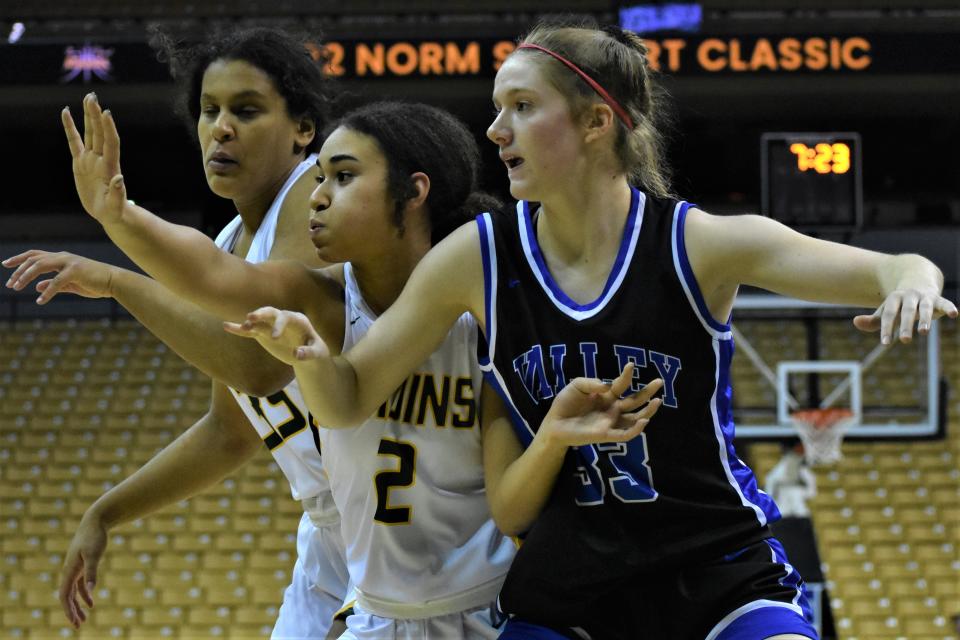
(904, 104)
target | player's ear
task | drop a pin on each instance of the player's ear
(598, 120)
(306, 130)
(421, 187)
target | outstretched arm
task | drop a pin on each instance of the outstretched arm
(732, 250)
(222, 284)
(342, 391)
(586, 411)
(193, 334)
(218, 444)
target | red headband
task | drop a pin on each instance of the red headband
(620, 111)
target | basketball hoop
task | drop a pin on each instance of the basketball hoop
(821, 432)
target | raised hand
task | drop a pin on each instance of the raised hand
(911, 306)
(75, 274)
(79, 574)
(589, 411)
(287, 335)
(96, 161)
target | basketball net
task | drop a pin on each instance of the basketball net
(821, 432)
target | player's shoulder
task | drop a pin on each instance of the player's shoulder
(331, 279)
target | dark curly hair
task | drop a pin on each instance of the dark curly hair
(420, 138)
(294, 63)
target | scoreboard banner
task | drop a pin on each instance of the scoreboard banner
(25, 63)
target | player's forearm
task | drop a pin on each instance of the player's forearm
(198, 337)
(525, 486)
(329, 387)
(184, 260)
(198, 459)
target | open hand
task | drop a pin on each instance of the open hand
(96, 161)
(287, 335)
(911, 306)
(79, 574)
(590, 411)
(75, 274)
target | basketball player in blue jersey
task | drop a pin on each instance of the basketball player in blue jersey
(256, 100)
(423, 551)
(666, 535)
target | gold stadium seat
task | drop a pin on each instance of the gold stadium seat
(167, 523)
(925, 624)
(879, 626)
(41, 597)
(220, 560)
(228, 594)
(907, 587)
(945, 589)
(942, 569)
(173, 616)
(210, 523)
(129, 580)
(192, 542)
(190, 561)
(267, 560)
(241, 542)
(25, 617)
(158, 633)
(278, 540)
(210, 616)
(254, 524)
(212, 579)
(265, 594)
(910, 570)
(266, 577)
(912, 607)
(133, 597)
(862, 589)
(113, 616)
(129, 562)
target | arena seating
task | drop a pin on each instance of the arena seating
(887, 519)
(83, 405)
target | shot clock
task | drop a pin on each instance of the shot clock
(812, 180)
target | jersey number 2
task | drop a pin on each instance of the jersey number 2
(403, 476)
(631, 479)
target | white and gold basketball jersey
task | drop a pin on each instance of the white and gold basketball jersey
(409, 483)
(282, 419)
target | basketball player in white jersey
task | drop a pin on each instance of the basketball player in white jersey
(256, 124)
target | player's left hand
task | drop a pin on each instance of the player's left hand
(75, 274)
(912, 307)
(287, 335)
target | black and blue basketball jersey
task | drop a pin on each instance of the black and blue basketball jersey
(674, 494)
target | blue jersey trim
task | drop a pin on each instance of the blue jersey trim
(487, 247)
(630, 234)
(688, 276)
(745, 479)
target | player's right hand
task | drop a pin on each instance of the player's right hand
(96, 161)
(590, 411)
(75, 274)
(79, 574)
